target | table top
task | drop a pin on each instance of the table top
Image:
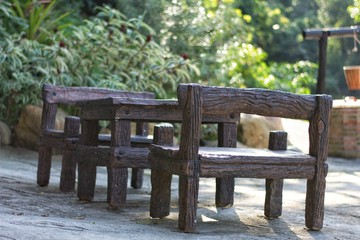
(112, 101)
(139, 109)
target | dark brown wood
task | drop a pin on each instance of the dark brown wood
(136, 140)
(243, 162)
(126, 110)
(222, 101)
(45, 151)
(150, 110)
(278, 140)
(71, 95)
(318, 133)
(139, 110)
(240, 156)
(320, 84)
(274, 187)
(122, 154)
(190, 161)
(227, 137)
(51, 138)
(137, 177)
(161, 180)
(87, 170)
(117, 176)
(44, 165)
(68, 169)
(98, 155)
(259, 171)
(142, 129)
(188, 151)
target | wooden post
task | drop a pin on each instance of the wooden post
(117, 177)
(161, 180)
(188, 151)
(322, 35)
(142, 129)
(68, 170)
(274, 187)
(320, 87)
(227, 133)
(315, 189)
(87, 170)
(45, 152)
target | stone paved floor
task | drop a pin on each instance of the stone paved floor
(30, 212)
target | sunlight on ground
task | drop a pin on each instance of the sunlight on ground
(297, 133)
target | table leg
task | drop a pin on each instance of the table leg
(86, 169)
(137, 174)
(117, 177)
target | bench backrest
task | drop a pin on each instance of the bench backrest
(54, 95)
(196, 100)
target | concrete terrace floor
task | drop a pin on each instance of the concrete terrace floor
(31, 212)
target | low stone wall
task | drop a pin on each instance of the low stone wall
(344, 137)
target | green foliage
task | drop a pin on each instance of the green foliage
(38, 16)
(241, 50)
(119, 53)
(278, 26)
(21, 75)
(107, 51)
(221, 36)
(299, 77)
(9, 23)
(354, 11)
(233, 42)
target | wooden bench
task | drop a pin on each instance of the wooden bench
(121, 155)
(67, 139)
(190, 161)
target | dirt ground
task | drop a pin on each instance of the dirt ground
(31, 212)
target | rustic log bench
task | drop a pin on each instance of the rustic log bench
(121, 155)
(190, 161)
(67, 139)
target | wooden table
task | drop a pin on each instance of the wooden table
(120, 155)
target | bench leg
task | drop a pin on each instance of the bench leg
(225, 191)
(225, 186)
(86, 181)
(273, 198)
(137, 175)
(160, 179)
(274, 187)
(68, 170)
(315, 194)
(44, 165)
(160, 193)
(117, 186)
(188, 196)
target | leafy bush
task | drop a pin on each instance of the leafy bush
(299, 77)
(354, 11)
(107, 51)
(39, 17)
(21, 75)
(119, 53)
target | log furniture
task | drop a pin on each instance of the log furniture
(190, 161)
(121, 155)
(67, 139)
